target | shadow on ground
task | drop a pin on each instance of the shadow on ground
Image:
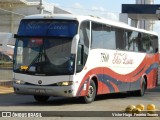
(27, 100)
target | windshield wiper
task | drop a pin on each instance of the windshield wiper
(39, 57)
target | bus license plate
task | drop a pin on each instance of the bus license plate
(40, 91)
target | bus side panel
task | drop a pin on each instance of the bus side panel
(113, 69)
(152, 71)
(118, 71)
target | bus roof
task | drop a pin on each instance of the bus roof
(92, 18)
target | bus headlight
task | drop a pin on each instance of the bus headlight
(66, 83)
(19, 82)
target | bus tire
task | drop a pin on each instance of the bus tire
(91, 93)
(142, 90)
(40, 98)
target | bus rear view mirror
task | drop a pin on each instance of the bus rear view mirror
(80, 54)
(15, 36)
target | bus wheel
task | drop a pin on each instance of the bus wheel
(91, 93)
(142, 90)
(39, 98)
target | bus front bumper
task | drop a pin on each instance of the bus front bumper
(65, 91)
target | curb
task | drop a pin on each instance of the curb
(6, 83)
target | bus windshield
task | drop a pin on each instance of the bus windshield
(48, 51)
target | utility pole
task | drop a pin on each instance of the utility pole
(41, 8)
(145, 24)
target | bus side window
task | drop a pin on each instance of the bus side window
(155, 43)
(109, 38)
(103, 36)
(120, 41)
(132, 40)
(147, 43)
(97, 35)
(128, 43)
(135, 41)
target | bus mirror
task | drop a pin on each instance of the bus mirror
(15, 35)
(80, 54)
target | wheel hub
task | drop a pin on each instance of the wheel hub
(90, 91)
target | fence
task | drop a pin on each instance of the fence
(6, 66)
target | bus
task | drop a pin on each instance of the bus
(82, 56)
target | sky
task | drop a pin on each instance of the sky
(103, 8)
(109, 9)
(101, 5)
(90, 4)
(94, 7)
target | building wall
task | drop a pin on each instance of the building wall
(58, 10)
(9, 22)
(144, 1)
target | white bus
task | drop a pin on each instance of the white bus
(82, 56)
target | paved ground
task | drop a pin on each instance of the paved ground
(110, 102)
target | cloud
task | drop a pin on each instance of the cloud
(102, 12)
(77, 5)
(99, 11)
(94, 8)
(57, 4)
(111, 16)
(98, 8)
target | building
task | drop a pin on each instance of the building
(143, 14)
(12, 11)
